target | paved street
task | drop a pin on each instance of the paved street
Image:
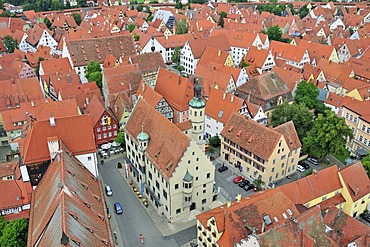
(135, 219)
(228, 189)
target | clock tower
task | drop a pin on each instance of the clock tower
(197, 114)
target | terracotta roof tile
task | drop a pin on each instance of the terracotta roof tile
(42, 51)
(313, 186)
(213, 55)
(9, 168)
(15, 193)
(356, 180)
(254, 137)
(69, 200)
(287, 51)
(177, 90)
(241, 39)
(186, 125)
(174, 40)
(81, 142)
(167, 143)
(58, 66)
(198, 46)
(146, 62)
(220, 101)
(343, 228)
(85, 50)
(148, 94)
(289, 76)
(290, 134)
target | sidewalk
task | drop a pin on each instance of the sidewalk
(166, 228)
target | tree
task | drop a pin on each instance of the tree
(366, 163)
(131, 27)
(215, 141)
(274, 33)
(47, 22)
(258, 183)
(176, 55)
(223, 14)
(182, 26)
(328, 135)
(77, 18)
(221, 22)
(93, 73)
(139, 8)
(306, 94)
(56, 5)
(10, 43)
(178, 4)
(120, 138)
(14, 233)
(299, 114)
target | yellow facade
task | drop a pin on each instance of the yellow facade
(229, 61)
(322, 198)
(208, 234)
(334, 56)
(354, 94)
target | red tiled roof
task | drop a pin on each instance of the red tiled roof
(356, 181)
(15, 193)
(220, 101)
(252, 136)
(343, 228)
(287, 51)
(148, 94)
(167, 143)
(186, 125)
(198, 46)
(69, 200)
(290, 134)
(313, 186)
(213, 55)
(81, 142)
(177, 90)
(57, 66)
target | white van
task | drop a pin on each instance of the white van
(300, 168)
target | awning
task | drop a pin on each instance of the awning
(361, 151)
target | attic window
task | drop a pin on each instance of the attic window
(101, 217)
(105, 242)
(76, 242)
(239, 133)
(90, 230)
(97, 198)
(169, 165)
(72, 174)
(85, 186)
(87, 205)
(220, 114)
(230, 129)
(74, 216)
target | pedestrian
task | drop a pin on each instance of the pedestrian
(142, 238)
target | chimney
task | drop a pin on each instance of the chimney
(130, 86)
(219, 53)
(52, 121)
(232, 99)
(115, 108)
(224, 96)
(228, 204)
(32, 103)
(129, 59)
(87, 101)
(53, 145)
(314, 172)
(142, 87)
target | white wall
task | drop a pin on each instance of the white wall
(212, 126)
(91, 164)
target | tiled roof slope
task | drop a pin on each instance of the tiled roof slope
(290, 134)
(177, 90)
(198, 46)
(356, 180)
(254, 137)
(167, 143)
(313, 186)
(69, 200)
(344, 228)
(80, 142)
(220, 101)
(85, 50)
(146, 62)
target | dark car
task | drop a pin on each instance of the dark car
(243, 183)
(305, 165)
(249, 187)
(118, 208)
(223, 168)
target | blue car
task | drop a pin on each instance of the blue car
(118, 208)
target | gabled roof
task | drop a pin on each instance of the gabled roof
(148, 94)
(58, 66)
(146, 61)
(343, 228)
(290, 76)
(42, 51)
(177, 90)
(252, 136)
(10, 168)
(198, 46)
(173, 41)
(313, 186)
(290, 134)
(287, 51)
(83, 51)
(15, 193)
(221, 105)
(256, 56)
(241, 39)
(167, 143)
(95, 109)
(36, 149)
(68, 201)
(356, 180)
(213, 55)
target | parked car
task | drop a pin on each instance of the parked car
(223, 168)
(249, 187)
(243, 183)
(238, 179)
(108, 190)
(305, 165)
(300, 168)
(313, 161)
(118, 208)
